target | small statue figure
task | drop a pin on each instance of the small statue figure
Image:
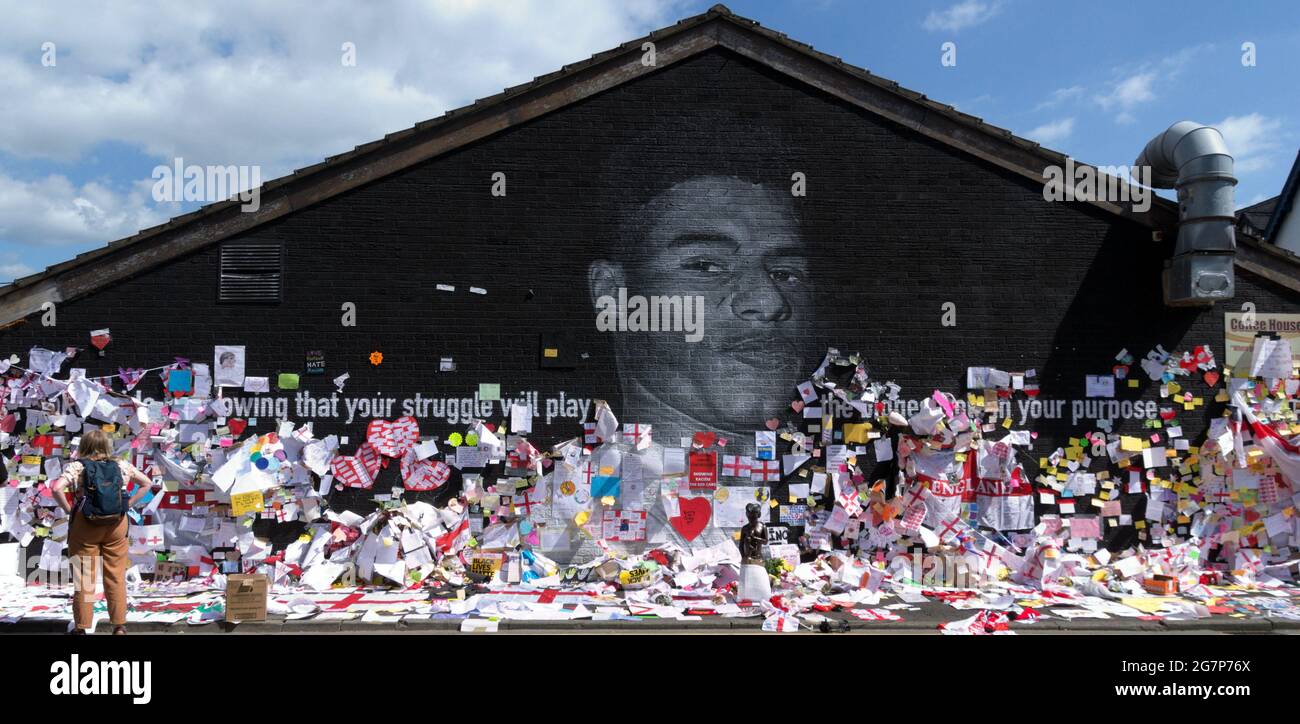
(754, 585)
(753, 536)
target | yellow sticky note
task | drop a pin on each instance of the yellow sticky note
(551, 352)
(1129, 443)
(856, 432)
(241, 503)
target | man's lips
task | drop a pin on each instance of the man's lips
(759, 352)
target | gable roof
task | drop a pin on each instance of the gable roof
(1285, 202)
(716, 28)
(1253, 219)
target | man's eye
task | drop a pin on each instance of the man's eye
(785, 276)
(705, 266)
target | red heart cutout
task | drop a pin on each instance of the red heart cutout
(797, 405)
(1211, 378)
(357, 471)
(1031, 391)
(237, 426)
(1167, 414)
(393, 438)
(369, 457)
(773, 424)
(423, 474)
(693, 515)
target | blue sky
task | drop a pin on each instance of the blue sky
(134, 86)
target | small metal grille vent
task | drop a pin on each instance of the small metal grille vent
(252, 272)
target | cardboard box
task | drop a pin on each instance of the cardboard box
(1161, 585)
(246, 597)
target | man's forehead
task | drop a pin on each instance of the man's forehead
(720, 210)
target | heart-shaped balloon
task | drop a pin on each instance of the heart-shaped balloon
(693, 515)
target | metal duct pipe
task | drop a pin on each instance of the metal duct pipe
(1193, 158)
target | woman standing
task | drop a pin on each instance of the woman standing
(98, 525)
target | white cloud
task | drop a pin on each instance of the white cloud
(11, 268)
(1254, 141)
(1127, 93)
(53, 211)
(256, 83)
(1052, 132)
(965, 14)
(1137, 86)
(1059, 96)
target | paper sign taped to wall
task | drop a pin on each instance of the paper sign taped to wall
(241, 503)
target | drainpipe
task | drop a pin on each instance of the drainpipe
(1193, 158)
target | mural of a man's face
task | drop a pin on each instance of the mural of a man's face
(737, 245)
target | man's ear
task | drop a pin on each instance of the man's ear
(604, 279)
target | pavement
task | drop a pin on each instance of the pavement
(925, 620)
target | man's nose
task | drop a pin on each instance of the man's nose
(757, 299)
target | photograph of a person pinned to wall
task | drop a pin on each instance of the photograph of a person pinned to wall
(229, 367)
(705, 293)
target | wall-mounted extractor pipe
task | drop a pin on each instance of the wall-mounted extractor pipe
(1193, 158)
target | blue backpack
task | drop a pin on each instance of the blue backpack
(103, 496)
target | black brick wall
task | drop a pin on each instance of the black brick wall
(895, 225)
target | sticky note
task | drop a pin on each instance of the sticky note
(180, 381)
(241, 503)
(489, 391)
(856, 432)
(287, 381)
(551, 352)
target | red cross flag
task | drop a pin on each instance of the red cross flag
(764, 471)
(637, 435)
(735, 466)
